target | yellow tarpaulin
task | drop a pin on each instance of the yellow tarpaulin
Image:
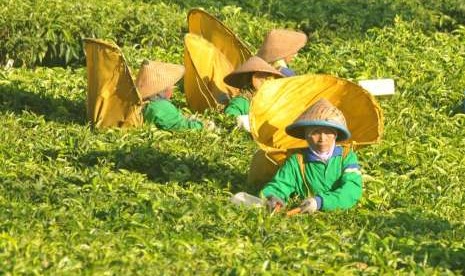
(210, 28)
(211, 52)
(204, 86)
(112, 97)
(279, 102)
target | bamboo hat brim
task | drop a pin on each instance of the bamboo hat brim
(154, 77)
(242, 76)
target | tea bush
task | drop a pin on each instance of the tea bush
(146, 201)
(50, 32)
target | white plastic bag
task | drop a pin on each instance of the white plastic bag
(243, 198)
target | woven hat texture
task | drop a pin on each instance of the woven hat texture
(154, 77)
(321, 113)
(281, 43)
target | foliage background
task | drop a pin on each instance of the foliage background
(143, 201)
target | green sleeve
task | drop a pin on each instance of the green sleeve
(237, 106)
(348, 190)
(286, 181)
(166, 116)
(192, 124)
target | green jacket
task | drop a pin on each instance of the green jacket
(166, 116)
(338, 182)
(238, 106)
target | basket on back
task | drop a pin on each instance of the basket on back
(112, 97)
(211, 52)
(279, 102)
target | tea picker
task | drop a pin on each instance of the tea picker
(323, 175)
(306, 148)
(155, 82)
(114, 99)
(278, 103)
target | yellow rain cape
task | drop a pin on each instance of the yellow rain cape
(279, 102)
(112, 97)
(211, 52)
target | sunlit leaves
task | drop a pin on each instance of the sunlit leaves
(139, 201)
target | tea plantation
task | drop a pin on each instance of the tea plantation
(145, 201)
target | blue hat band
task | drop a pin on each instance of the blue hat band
(297, 129)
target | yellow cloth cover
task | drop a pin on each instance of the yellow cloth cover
(279, 102)
(203, 85)
(112, 97)
(263, 166)
(211, 52)
(262, 169)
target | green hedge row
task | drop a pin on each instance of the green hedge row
(39, 32)
(50, 32)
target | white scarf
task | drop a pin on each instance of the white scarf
(324, 156)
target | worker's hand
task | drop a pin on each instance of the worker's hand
(209, 125)
(243, 122)
(309, 206)
(273, 202)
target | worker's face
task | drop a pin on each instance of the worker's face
(258, 78)
(320, 139)
(168, 93)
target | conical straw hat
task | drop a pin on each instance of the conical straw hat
(242, 76)
(154, 77)
(321, 113)
(280, 43)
